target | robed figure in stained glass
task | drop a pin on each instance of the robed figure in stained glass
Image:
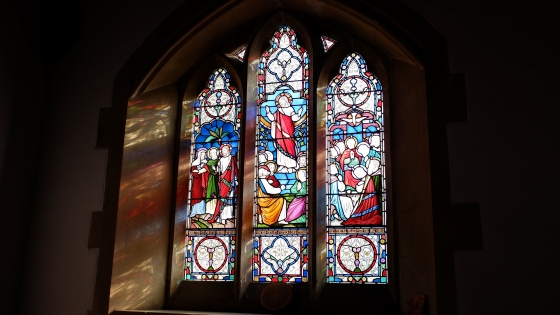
(199, 173)
(367, 210)
(227, 183)
(348, 159)
(341, 206)
(270, 207)
(212, 185)
(282, 131)
(299, 190)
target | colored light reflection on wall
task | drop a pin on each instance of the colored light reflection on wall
(142, 234)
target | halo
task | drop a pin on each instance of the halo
(298, 122)
(362, 146)
(377, 164)
(371, 138)
(350, 138)
(261, 158)
(340, 147)
(331, 166)
(359, 167)
(264, 167)
(226, 145)
(269, 155)
(299, 170)
(283, 95)
(213, 149)
(271, 162)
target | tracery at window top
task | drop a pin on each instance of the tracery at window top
(280, 234)
(356, 219)
(211, 210)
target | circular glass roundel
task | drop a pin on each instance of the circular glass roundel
(218, 104)
(356, 254)
(354, 91)
(210, 254)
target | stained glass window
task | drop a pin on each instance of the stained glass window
(240, 53)
(356, 216)
(280, 211)
(327, 42)
(211, 210)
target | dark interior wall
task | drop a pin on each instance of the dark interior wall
(52, 175)
(504, 156)
(22, 92)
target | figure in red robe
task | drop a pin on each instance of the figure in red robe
(199, 173)
(367, 210)
(282, 130)
(349, 153)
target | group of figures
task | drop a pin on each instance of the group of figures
(282, 166)
(214, 186)
(215, 144)
(355, 126)
(354, 177)
(281, 196)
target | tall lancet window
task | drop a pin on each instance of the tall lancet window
(211, 209)
(280, 211)
(356, 219)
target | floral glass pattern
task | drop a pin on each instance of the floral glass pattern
(356, 216)
(280, 211)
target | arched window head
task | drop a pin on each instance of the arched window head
(210, 253)
(281, 234)
(284, 64)
(356, 220)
